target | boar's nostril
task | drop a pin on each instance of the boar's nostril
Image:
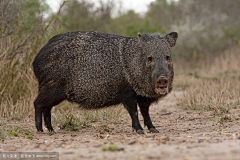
(162, 81)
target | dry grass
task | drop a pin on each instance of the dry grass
(70, 117)
(212, 85)
(66, 108)
(23, 33)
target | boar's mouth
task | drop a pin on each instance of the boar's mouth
(161, 89)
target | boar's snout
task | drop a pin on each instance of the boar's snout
(163, 81)
(162, 85)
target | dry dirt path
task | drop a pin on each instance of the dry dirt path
(184, 135)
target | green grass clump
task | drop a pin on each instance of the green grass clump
(19, 132)
(30, 136)
(13, 133)
(2, 134)
(71, 122)
(110, 148)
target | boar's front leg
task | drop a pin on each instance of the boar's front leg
(131, 105)
(144, 104)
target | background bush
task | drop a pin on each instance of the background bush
(206, 28)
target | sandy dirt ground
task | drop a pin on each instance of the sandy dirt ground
(184, 135)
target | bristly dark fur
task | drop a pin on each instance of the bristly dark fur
(98, 70)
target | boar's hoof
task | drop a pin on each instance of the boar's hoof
(139, 131)
(40, 132)
(153, 130)
(53, 132)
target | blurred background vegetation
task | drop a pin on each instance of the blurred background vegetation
(206, 30)
(205, 27)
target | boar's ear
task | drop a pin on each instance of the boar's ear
(172, 38)
(140, 37)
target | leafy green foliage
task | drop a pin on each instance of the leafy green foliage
(200, 31)
(84, 15)
(133, 23)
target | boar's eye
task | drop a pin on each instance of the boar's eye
(168, 58)
(149, 59)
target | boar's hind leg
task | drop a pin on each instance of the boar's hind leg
(47, 118)
(144, 104)
(43, 104)
(131, 106)
(38, 115)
